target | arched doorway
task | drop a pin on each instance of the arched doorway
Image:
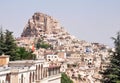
(8, 78)
(22, 78)
(30, 78)
(39, 73)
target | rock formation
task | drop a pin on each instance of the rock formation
(41, 24)
(46, 26)
(88, 55)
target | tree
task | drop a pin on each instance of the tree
(42, 44)
(10, 45)
(2, 45)
(23, 54)
(65, 79)
(112, 73)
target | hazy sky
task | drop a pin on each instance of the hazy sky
(90, 20)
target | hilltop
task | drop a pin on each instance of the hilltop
(46, 37)
(47, 27)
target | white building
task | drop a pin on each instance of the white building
(28, 71)
(52, 57)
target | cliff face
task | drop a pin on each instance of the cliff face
(41, 24)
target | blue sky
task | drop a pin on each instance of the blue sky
(90, 20)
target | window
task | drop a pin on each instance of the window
(55, 56)
(85, 59)
(48, 56)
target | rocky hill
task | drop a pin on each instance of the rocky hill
(41, 24)
(90, 57)
(49, 28)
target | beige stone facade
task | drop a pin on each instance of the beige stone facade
(29, 71)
